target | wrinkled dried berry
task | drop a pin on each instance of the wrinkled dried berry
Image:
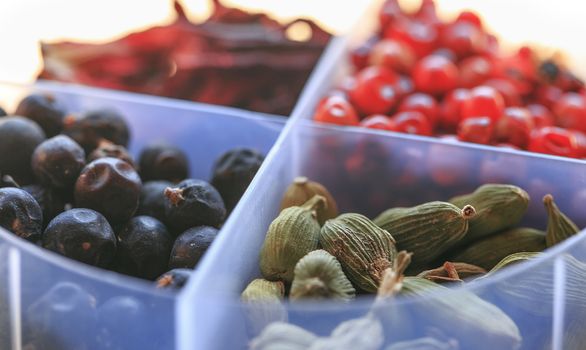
(83, 235)
(65, 307)
(108, 149)
(144, 245)
(152, 199)
(91, 128)
(20, 213)
(190, 246)
(110, 186)
(163, 162)
(58, 161)
(174, 279)
(193, 203)
(233, 172)
(45, 110)
(50, 201)
(18, 139)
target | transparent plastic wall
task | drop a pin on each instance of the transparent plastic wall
(50, 302)
(532, 304)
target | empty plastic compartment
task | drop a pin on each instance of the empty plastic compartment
(52, 302)
(370, 171)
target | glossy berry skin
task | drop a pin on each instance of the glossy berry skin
(233, 172)
(336, 110)
(570, 111)
(190, 246)
(20, 213)
(58, 161)
(507, 90)
(44, 110)
(476, 130)
(421, 37)
(83, 235)
(484, 101)
(555, 141)
(423, 103)
(89, 129)
(193, 203)
(470, 17)
(541, 115)
(144, 245)
(435, 75)
(49, 199)
(548, 95)
(374, 91)
(393, 55)
(514, 127)
(174, 279)
(377, 121)
(474, 71)
(18, 139)
(163, 162)
(451, 109)
(463, 38)
(108, 149)
(412, 122)
(109, 186)
(152, 199)
(360, 55)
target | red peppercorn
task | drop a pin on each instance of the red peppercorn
(423, 103)
(483, 101)
(451, 109)
(394, 55)
(570, 111)
(374, 91)
(463, 38)
(360, 55)
(514, 127)
(476, 130)
(412, 122)
(474, 71)
(541, 115)
(336, 110)
(554, 140)
(507, 89)
(377, 121)
(389, 13)
(404, 86)
(470, 17)
(548, 95)
(435, 75)
(421, 37)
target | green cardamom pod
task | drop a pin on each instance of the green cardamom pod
(426, 230)
(452, 272)
(487, 252)
(319, 275)
(462, 315)
(559, 226)
(427, 343)
(263, 304)
(302, 190)
(497, 207)
(284, 336)
(363, 249)
(294, 233)
(512, 260)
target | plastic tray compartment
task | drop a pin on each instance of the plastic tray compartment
(368, 172)
(57, 303)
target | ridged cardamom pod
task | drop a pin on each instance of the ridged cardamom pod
(462, 315)
(426, 230)
(498, 207)
(512, 259)
(559, 226)
(263, 304)
(294, 233)
(427, 343)
(452, 272)
(319, 275)
(487, 252)
(302, 190)
(363, 249)
(280, 335)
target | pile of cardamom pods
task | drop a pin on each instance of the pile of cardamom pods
(311, 252)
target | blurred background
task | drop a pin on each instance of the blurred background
(553, 26)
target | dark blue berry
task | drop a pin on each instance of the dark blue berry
(44, 110)
(190, 246)
(20, 213)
